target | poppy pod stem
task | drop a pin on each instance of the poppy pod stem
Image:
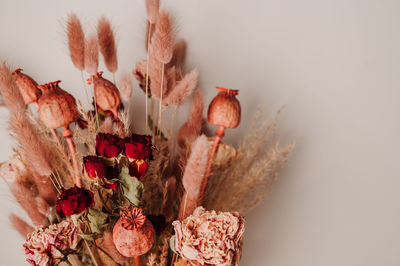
(68, 137)
(137, 260)
(219, 134)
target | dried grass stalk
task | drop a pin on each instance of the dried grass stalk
(11, 95)
(20, 225)
(169, 199)
(76, 41)
(108, 48)
(182, 90)
(242, 185)
(91, 55)
(152, 7)
(193, 176)
(162, 39)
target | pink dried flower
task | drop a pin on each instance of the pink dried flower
(48, 244)
(208, 238)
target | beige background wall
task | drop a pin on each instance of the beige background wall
(335, 64)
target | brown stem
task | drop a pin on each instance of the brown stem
(147, 79)
(174, 257)
(68, 136)
(161, 99)
(219, 134)
(137, 260)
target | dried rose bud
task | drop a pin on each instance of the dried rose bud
(138, 147)
(138, 168)
(74, 201)
(57, 108)
(108, 145)
(27, 86)
(94, 166)
(224, 110)
(106, 94)
(133, 234)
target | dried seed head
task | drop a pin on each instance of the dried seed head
(224, 110)
(27, 86)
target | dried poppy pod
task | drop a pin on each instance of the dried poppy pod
(133, 234)
(106, 94)
(225, 112)
(27, 86)
(57, 109)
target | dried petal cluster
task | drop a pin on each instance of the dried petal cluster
(208, 238)
(46, 245)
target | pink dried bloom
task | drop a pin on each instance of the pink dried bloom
(209, 238)
(49, 244)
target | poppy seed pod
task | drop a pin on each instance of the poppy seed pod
(57, 108)
(133, 234)
(27, 86)
(224, 110)
(106, 94)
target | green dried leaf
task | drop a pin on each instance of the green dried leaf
(132, 188)
(97, 220)
(90, 237)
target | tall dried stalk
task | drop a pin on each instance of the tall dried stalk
(246, 181)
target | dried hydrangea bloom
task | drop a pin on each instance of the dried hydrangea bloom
(49, 244)
(209, 238)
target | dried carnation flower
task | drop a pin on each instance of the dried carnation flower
(46, 245)
(209, 238)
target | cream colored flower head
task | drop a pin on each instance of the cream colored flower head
(211, 238)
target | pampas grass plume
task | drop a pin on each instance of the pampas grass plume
(182, 90)
(76, 41)
(107, 44)
(20, 225)
(191, 129)
(193, 176)
(152, 7)
(162, 39)
(11, 95)
(91, 55)
(125, 86)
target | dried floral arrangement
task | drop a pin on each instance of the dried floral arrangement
(97, 193)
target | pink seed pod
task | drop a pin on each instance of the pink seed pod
(133, 234)
(27, 86)
(106, 94)
(224, 110)
(57, 108)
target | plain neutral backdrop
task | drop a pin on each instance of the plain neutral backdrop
(335, 64)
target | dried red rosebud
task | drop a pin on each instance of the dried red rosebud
(138, 168)
(94, 166)
(112, 173)
(27, 86)
(224, 110)
(138, 147)
(108, 145)
(74, 201)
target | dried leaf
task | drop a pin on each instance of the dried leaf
(132, 188)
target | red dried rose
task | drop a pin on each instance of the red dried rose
(138, 146)
(112, 173)
(94, 166)
(73, 201)
(138, 168)
(108, 145)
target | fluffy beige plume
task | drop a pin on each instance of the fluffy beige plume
(107, 244)
(193, 176)
(91, 54)
(25, 195)
(76, 41)
(162, 39)
(11, 96)
(182, 89)
(20, 225)
(191, 129)
(247, 180)
(107, 44)
(152, 7)
(125, 86)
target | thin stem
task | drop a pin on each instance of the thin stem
(161, 99)
(71, 145)
(114, 79)
(60, 146)
(147, 78)
(153, 118)
(95, 110)
(182, 208)
(84, 86)
(137, 260)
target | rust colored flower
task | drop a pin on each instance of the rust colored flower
(94, 166)
(108, 145)
(138, 147)
(74, 201)
(27, 86)
(138, 168)
(208, 238)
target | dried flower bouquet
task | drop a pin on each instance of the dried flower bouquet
(97, 193)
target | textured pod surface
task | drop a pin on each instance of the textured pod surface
(133, 234)
(27, 86)
(224, 110)
(106, 94)
(57, 108)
